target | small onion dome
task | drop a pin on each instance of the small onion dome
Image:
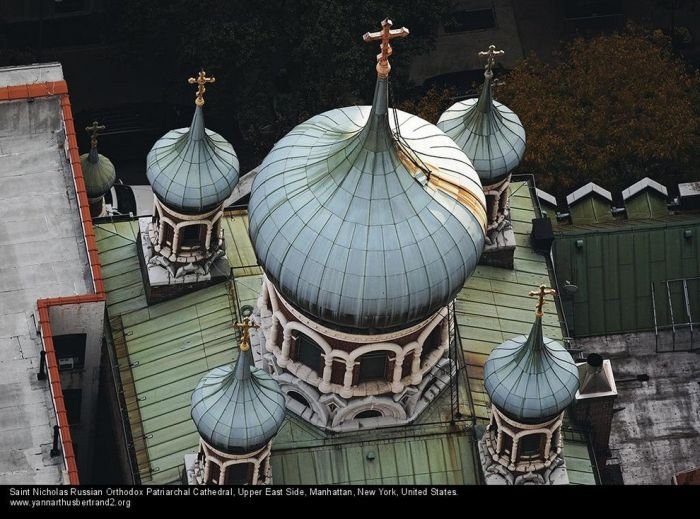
(351, 230)
(488, 132)
(238, 409)
(531, 378)
(192, 170)
(98, 172)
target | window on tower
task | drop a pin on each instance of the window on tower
(191, 235)
(308, 352)
(373, 366)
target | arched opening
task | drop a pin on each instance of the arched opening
(373, 366)
(307, 352)
(191, 235)
(167, 238)
(239, 474)
(531, 445)
(298, 398)
(369, 413)
(432, 343)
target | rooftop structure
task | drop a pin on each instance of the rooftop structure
(46, 236)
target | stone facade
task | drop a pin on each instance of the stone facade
(340, 381)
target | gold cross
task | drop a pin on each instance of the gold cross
(385, 35)
(490, 54)
(543, 291)
(246, 325)
(201, 80)
(92, 130)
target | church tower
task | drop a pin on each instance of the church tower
(237, 410)
(192, 172)
(367, 221)
(530, 380)
(98, 172)
(493, 137)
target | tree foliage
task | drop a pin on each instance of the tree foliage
(616, 108)
(277, 62)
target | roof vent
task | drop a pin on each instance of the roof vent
(645, 199)
(690, 195)
(590, 204)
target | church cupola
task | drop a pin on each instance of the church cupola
(493, 137)
(237, 410)
(98, 173)
(192, 172)
(530, 380)
(367, 221)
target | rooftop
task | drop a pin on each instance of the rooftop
(43, 256)
(164, 349)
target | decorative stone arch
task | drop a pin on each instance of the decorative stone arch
(215, 466)
(316, 412)
(504, 433)
(392, 412)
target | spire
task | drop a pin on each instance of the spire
(245, 359)
(377, 132)
(197, 128)
(93, 131)
(485, 102)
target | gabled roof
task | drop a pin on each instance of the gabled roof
(645, 183)
(584, 191)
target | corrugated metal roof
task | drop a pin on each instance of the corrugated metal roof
(614, 265)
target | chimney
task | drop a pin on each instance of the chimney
(594, 401)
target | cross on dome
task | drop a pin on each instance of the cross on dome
(201, 81)
(385, 35)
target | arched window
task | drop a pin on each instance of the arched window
(531, 445)
(369, 413)
(192, 235)
(298, 398)
(239, 474)
(432, 343)
(307, 352)
(373, 366)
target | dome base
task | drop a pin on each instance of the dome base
(164, 279)
(343, 382)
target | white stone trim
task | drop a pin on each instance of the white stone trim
(225, 460)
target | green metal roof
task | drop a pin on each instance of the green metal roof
(163, 350)
(614, 265)
(494, 304)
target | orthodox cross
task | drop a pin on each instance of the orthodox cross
(490, 55)
(93, 130)
(246, 325)
(201, 80)
(541, 293)
(385, 35)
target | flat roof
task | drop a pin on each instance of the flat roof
(43, 255)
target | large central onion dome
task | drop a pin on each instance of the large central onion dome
(364, 231)
(192, 170)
